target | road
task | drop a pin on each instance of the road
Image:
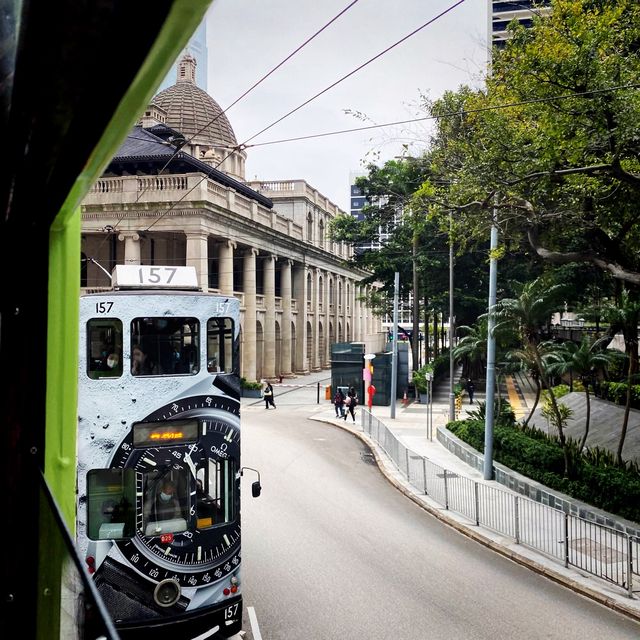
(332, 550)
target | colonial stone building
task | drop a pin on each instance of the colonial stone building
(175, 193)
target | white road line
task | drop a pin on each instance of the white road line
(207, 634)
(255, 629)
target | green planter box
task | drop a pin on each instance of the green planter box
(251, 393)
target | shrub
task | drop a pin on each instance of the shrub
(245, 384)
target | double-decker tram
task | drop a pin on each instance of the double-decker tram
(159, 454)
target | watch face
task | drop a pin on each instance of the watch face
(200, 542)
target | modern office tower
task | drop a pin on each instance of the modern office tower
(197, 47)
(504, 11)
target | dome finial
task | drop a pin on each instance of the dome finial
(187, 69)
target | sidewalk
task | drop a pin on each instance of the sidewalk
(410, 428)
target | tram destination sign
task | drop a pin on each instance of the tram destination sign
(137, 276)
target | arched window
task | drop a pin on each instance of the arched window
(321, 234)
(309, 227)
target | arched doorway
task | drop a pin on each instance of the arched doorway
(259, 350)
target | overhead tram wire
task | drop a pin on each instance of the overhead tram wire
(448, 114)
(364, 64)
(246, 93)
(317, 95)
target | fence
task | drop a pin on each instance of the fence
(604, 552)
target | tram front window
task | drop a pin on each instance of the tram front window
(165, 346)
(166, 502)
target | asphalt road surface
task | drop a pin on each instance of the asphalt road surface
(331, 550)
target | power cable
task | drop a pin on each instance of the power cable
(306, 102)
(249, 90)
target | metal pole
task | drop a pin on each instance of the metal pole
(491, 359)
(394, 357)
(452, 395)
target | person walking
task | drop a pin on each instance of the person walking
(338, 403)
(470, 390)
(351, 402)
(268, 396)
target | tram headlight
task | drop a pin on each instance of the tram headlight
(166, 593)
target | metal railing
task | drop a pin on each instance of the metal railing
(602, 551)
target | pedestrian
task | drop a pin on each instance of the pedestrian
(351, 401)
(142, 364)
(268, 396)
(470, 390)
(338, 403)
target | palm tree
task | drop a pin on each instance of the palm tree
(524, 360)
(584, 360)
(473, 349)
(624, 317)
(528, 313)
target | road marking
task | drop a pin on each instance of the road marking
(514, 398)
(207, 634)
(255, 629)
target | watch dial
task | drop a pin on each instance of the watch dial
(205, 548)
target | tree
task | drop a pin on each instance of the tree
(524, 359)
(624, 316)
(584, 360)
(560, 165)
(528, 313)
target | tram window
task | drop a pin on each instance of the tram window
(166, 502)
(111, 504)
(220, 346)
(215, 493)
(104, 348)
(165, 346)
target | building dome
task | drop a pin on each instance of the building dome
(193, 112)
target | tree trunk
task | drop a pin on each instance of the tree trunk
(587, 421)
(554, 405)
(633, 367)
(435, 334)
(535, 402)
(426, 330)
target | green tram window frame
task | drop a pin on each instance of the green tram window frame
(111, 504)
(104, 348)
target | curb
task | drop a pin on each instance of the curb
(472, 533)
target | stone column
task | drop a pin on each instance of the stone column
(225, 267)
(336, 307)
(300, 293)
(285, 332)
(326, 357)
(131, 247)
(357, 332)
(249, 324)
(198, 257)
(269, 360)
(315, 359)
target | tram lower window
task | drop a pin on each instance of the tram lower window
(215, 493)
(111, 504)
(166, 502)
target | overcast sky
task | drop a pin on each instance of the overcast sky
(247, 38)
